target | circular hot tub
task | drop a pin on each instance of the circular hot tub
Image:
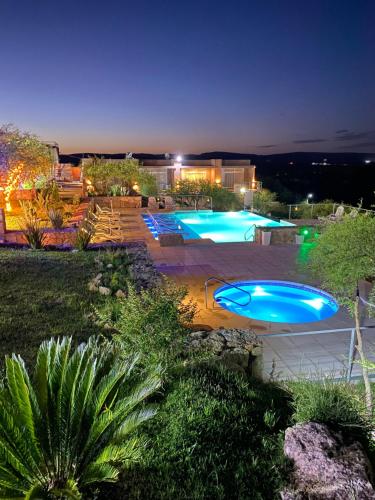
(276, 301)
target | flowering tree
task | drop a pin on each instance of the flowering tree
(23, 158)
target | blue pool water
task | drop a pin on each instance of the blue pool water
(220, 227)
(277, 301)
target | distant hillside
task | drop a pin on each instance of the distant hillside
(344, 177)
(296, 157)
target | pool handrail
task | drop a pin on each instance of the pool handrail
(219, 280)
(253, 226)
(167, 228)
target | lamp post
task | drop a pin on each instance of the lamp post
(309, 197)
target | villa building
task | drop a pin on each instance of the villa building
(231, 174)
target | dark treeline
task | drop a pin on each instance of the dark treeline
(346, 183)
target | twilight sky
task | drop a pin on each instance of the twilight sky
(260, 76)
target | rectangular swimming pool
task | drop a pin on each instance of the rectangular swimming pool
(221, 227)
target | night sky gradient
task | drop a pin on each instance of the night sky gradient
(191, 76)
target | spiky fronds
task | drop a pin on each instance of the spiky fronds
(73, 424)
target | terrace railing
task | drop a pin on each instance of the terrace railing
(312, 210)
(350, 355)
(192, 201)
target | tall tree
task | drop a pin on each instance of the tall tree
(23, 157)
(343, 257)
(124, 174)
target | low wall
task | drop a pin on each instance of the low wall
(58, 237)
(17, 195)
(279, 235)
(119, 201)
(65, 236)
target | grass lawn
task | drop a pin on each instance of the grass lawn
(43, 294)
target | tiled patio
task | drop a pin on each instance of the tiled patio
(292, 356)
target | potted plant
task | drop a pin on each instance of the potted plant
(299, 239)
(266, 237)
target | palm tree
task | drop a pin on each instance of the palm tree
(73, 424)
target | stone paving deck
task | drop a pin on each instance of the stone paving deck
(312, 355)
(288, 357)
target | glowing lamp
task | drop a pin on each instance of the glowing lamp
(179, 158)
(135, 187)
(243, 190)
(218, 181)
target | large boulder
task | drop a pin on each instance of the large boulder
(325, 465)
(237, 349)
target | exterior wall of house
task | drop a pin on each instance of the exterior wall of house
(231, 174)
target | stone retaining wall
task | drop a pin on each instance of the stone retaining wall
(119, 201)
(239, 350)
(279, 235)
(56, 237)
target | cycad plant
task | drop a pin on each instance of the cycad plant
(73, 424)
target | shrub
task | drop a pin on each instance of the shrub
(84, 236)
(147, 184)
(222, 199)
(51, 191)
(152, 322)
(264, 200)
(313, 210)
(73, 424)
(114, 268)
(31, 226)
(76, 200)
(122, 174)
(56, 217)
(115, 190)
(216, 435)
(337, 404)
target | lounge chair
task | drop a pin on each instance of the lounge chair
(336, 217)
(169, 203)
(353, 213)
(152, 203)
